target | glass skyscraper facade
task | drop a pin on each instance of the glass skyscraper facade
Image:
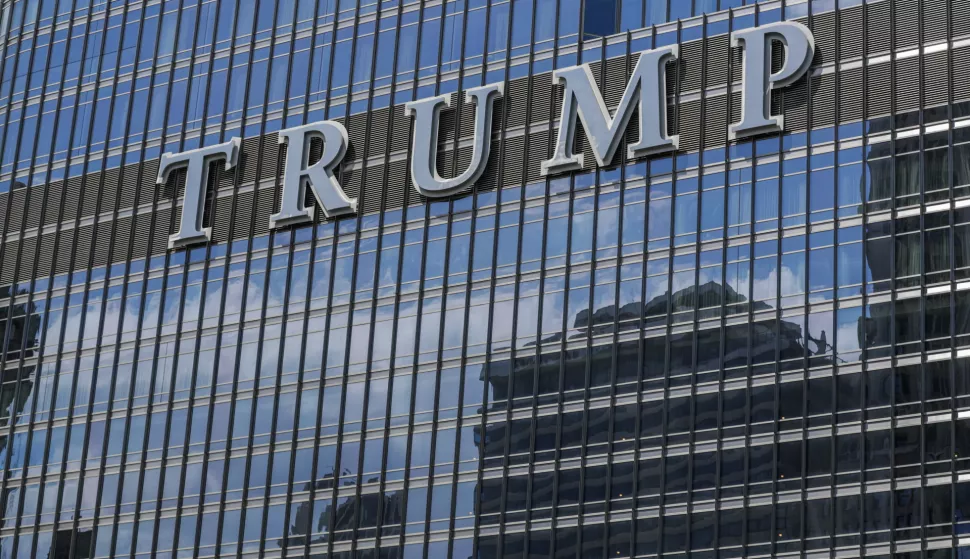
(755, 348)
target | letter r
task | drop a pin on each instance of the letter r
(298, 174)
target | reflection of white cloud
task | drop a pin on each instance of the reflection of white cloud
(112, 312)
(582, 233)
(397, 451)
(528, 317)
(454, 328)
(552, 309)
(234, 295)
(377, 398)
(405, 335)
(430, 327)
(477, 324)
(72, 328)
(388, 270)
(681, 281)
(53, 330)
(383, 333)
(848, 331)
(848, 338)
(502, 317)
(359, 343)
(656, 287)
(792, 283)
(607, 226)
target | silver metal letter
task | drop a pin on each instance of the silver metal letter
(197, 160)
(582, 99)
(799, 44)
(298, 174)
(426, 113)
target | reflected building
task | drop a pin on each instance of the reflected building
(754, 347)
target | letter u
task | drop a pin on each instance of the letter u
(427, 114)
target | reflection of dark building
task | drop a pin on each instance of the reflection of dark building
(63, 543)
(745, 346)
(304, 525)
(22, 336)
(709, 295)
(762, 342)
(14, 399)
(23, 325)
(365, 510)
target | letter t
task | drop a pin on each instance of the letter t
(197, 160)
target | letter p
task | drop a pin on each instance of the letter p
(759, 81)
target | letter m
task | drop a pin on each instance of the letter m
(582, 100)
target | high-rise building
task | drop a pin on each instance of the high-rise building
(527, 279)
